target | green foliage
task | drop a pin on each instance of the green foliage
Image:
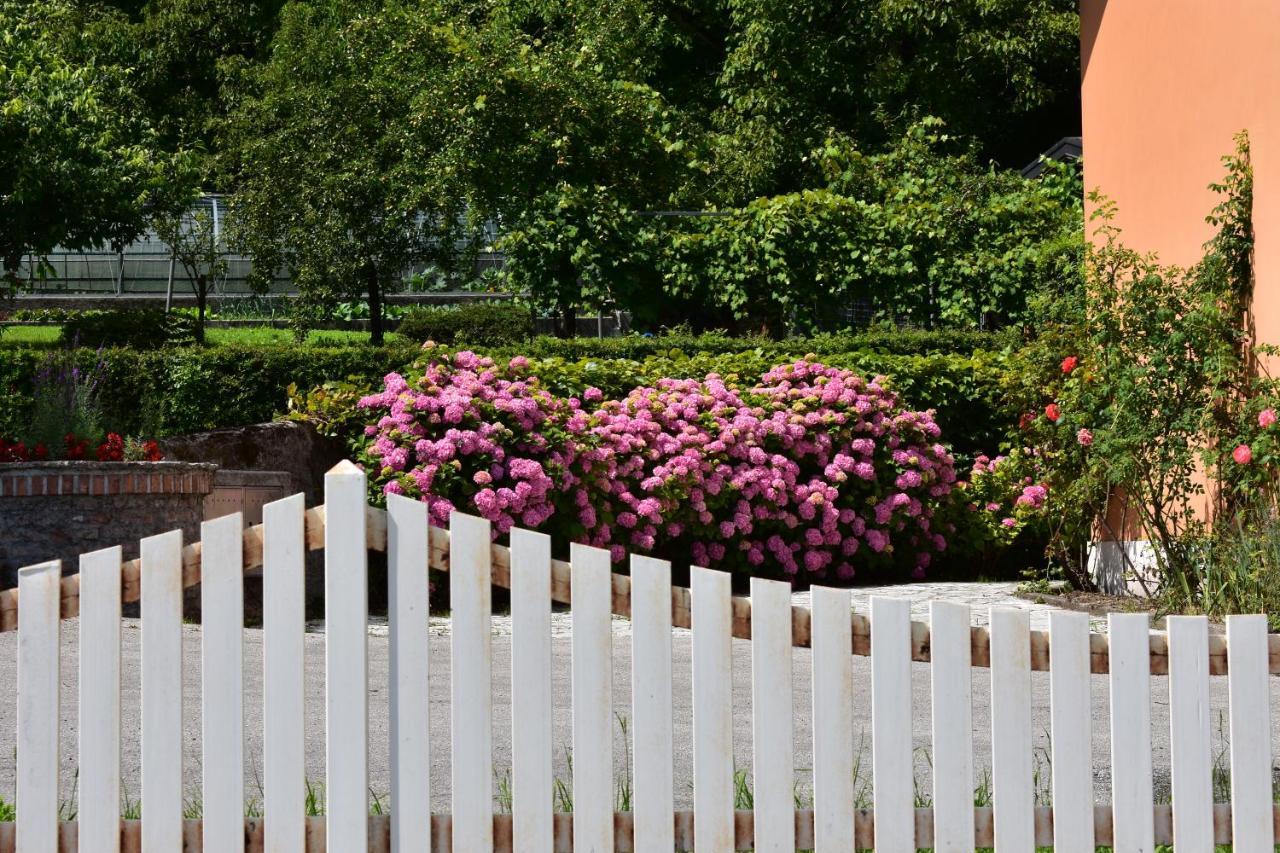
(79, 163)
(193, 242)
(137, 328)
(172, 391)
(479, 324)
(922, 234)
(323, 166)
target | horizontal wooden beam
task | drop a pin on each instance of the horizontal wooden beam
(441, 830)
(681, 618)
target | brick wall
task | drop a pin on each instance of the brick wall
(59, 510)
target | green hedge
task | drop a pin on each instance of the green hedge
(896, 342)
(481, 324)
(173, 391)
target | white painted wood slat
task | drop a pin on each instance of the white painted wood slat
(284, 708)
(712, 709)
(894, 794)
(653, 799)
(1189, 755)
(952, 697)
(470, 572)
(1071, 723)
(1011, 772)
(1133, 826)
(531, 744)
(1252, 826)
(99, 719)
(222, 682)
(346, 660)
(38, 716)
(772, 712)
(409, 668)
(832, 636)
(162, 692)
(591, 591)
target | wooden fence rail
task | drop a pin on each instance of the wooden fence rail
(347, 530)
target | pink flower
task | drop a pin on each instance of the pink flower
(1084, 437)
(1266, 418)
(1009, 522)
(1242, 454)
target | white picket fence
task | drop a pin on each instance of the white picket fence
(346, 528)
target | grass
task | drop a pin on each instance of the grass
(47, 337)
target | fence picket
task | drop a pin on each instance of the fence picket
(771, 717)
(531, 805)
(346, 643)
(653, 800)
(470, 573)
(38, 716)
(1133, 825)
(99, 719)
(1011, 779)
(833, 758)
(894, 803)
(592, 593)
(952, 692)
(222, 682)
(408, 607)
(1252, 826)
(283, 705)
(1071, 720)
(712, 709)
(1189, 732)
(162, 692)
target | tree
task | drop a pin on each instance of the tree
(193, 242)
(79, 163)
(326, 180)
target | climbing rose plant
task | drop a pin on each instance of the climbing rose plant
(809, 472)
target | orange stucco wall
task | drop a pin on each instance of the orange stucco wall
(1166, 84)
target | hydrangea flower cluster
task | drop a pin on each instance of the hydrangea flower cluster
(463, 435)
(809, 473)
(1006, 492)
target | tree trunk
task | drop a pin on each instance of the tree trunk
(567, 322)
(376, 332)
(202, 296)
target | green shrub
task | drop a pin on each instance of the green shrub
(172, 391)
(482, 324)
(138, 328)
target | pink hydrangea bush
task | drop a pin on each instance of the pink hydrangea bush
(1004, 495)
(810, 473)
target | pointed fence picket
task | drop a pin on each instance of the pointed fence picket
(829, 634)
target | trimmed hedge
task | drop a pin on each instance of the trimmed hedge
(172, 391)
(481, 324)
(138, 328)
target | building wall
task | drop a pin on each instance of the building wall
(1166, 85)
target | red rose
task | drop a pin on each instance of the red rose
(1026, 419)
(1069, 363)
(1052, 412)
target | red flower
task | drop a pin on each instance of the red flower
(41, 452)
(1069, 363)
(1052, 412)
(1026, 419)
(1242, 454)
(111, 450)
(152, 451)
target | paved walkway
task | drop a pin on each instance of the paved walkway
(979, 596)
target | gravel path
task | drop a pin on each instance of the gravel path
(980, 596)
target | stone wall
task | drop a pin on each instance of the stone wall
(59, 510)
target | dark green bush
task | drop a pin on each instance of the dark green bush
(481, 324)
(172, 391)
(138, 328)
(888, 341)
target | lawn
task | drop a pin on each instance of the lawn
(47, 336)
